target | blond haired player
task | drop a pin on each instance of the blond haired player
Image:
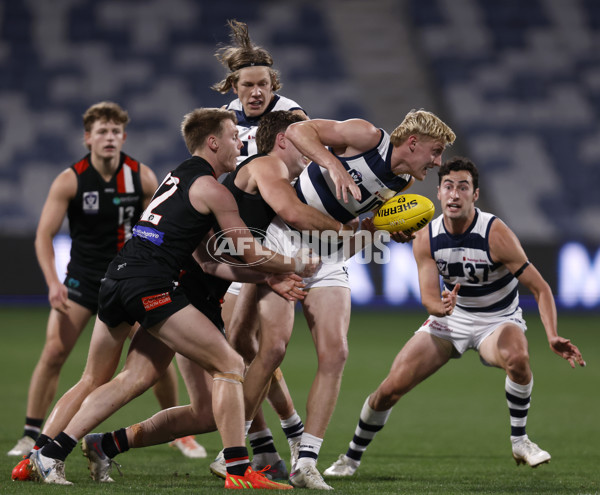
(355, 168)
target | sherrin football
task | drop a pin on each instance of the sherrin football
(404, 213)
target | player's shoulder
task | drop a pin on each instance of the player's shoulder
(148, 178)
(208, 193)
(495, 225)
(285, 103)
(66, 182)
(265, 165)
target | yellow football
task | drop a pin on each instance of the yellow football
(404, 213)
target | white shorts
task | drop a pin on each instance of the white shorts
(333, 271)
(235, 288)
(467, 330)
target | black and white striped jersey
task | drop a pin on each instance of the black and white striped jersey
(370, 170)
(485, 286)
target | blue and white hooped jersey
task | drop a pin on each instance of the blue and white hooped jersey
(485, 286)
(247, 126)
(370, 170)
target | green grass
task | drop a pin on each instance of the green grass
(448, 436)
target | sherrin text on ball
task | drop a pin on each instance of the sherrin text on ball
(404, 213)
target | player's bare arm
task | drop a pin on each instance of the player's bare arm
(209, 196)
(349, 137)
(62, 191)
(506, 248)
(287, 285)
(429, 279)
(149, 184)
(274, 186)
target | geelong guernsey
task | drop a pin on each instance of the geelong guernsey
(247, 126)
(370, 170)
(485, 286)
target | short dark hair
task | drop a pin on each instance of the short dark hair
(201, 123)
(272, 124)
(457, 163)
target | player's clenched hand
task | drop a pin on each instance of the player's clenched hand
(449, 299)
(289, 286)
(565, 349)
(58, 297)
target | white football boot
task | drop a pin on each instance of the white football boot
(99, 463)
(294, 453)
(23, 447)
(48, 470)
(308, 476)
(343, 467)
(527, 452)
(218, 467)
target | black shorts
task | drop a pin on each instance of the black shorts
(83, 286)
(145, 300)
(194, 287)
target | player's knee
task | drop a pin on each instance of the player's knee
(333, 359)
(272, 355)
(231, 362)
(54, 356)
(88, 383)
(517, 363)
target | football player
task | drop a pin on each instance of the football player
(481, 262)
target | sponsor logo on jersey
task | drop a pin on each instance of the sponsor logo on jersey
(155, 301)
(356, 175)
(125, 199)
(91, 202)
(148, 233)
(442, 265)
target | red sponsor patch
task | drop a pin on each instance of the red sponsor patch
(152, 302)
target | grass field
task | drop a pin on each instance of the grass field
(448, 436)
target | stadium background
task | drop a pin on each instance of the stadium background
(519, 82)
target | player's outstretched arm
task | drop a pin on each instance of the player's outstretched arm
(311, 137)
(274, 186)
(287, 285)
(208, 196)
(506, 248)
